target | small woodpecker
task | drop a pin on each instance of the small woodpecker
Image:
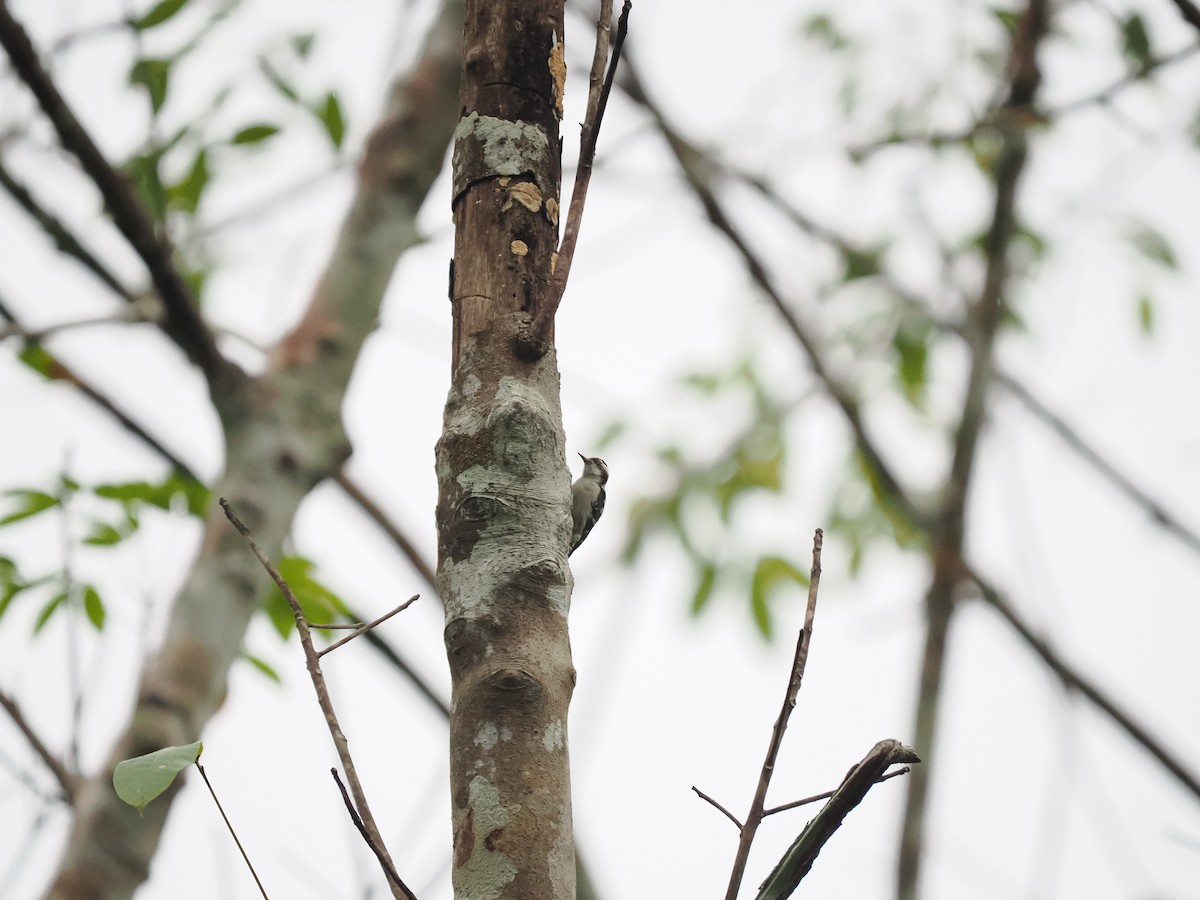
(587, 499)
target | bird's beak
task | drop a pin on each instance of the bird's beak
(584, 458)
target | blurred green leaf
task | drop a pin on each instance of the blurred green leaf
(139, 780)
(159, 13)
(1145, 307)
(162, 495)
(1153, 245)
(704, 589)
(1135, 41)
(277, 80)
(94, 607)
(821, 29)
(39, 359)
(154, 75)
(254, 134)
(329, 111)
(104, 535)
(56, 602)
(302, 44)
(184, 195)
(319, 603)
(911, 343)
(263, 666)
(29, 504)
(142, 170)
(769, 573)
(859, 264)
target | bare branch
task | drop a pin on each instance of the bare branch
(67, 781)
(182, 321)
(755, 816)
(1189, 11)
(799, 858)
(318, 679)
(534, 341)
(363, 629)
(825, 795)
(730, 816)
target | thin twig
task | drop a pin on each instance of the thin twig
(384, 862)
(535, 340)
(67, 782)
(363, 629)
(730, 816)
(182, 321)
(825, 795)
(755, 816)
(318, 680)
(229, 825)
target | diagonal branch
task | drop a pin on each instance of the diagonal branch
(67, 781)
(313, 662)
(1073, 680)
(181, 321)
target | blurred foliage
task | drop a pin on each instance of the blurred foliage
(702, 492)
(320, 604)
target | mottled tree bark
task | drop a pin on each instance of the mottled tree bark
(503, 508)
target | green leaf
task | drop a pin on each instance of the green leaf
(1135, 41)
(1153, 245)
(911, 343)
(154, 75)
(142, 170)
(318, 602)
(859, 264)
(277, 80)
(1146, 314)
(1007, 18)
(704, 590)
(159, 13)
(263, 666)
(302, 44)
(104, 535)
(184, 195)
(141, 779)
(94, 607)
(39, 359)
(162, 495)
(49, 610)
(770, 572)
(254, 134)
(29, 504)
(330, 114)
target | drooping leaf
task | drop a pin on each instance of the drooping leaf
(318, 602)
(263, 666)
(159, 13)
(94, 607)
(1153, 245)
(54, 605)
(142, 170)
(29, 504)
(139, 780)
(184, 195)
(329, 112)
(1135, 41)
(154, 75)
(704, 588)
(277, 80)
(1145, 308)
(911, 343)
(769, 573)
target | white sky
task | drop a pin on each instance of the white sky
(1035, 796)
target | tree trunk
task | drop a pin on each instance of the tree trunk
(504, 488)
